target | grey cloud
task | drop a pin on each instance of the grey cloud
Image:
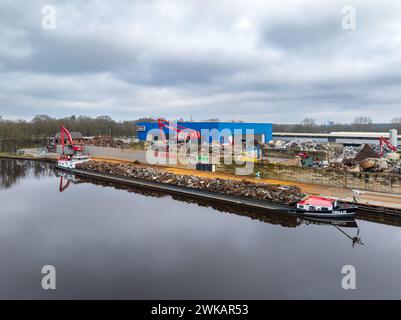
(73, 55)
(296, 35)
(257, 61)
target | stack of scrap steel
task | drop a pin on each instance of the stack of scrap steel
(309, 145)
(350, 163)
(350, 152)
(367, 159)
(285, 195)
(106, 141)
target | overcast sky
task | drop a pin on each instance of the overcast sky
(262, 61)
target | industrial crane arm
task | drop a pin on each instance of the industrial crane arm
(177, 128)
(64, 131)
(67, 133)
(390, 146)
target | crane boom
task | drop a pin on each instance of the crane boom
(188, 133)
(64, 131)
(390, 146)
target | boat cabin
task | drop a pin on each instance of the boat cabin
(315, 203)
(71, 162)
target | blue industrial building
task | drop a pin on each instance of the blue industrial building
(262, 131)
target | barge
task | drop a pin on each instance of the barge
(320, 207)
(177, 190)
(331, 208)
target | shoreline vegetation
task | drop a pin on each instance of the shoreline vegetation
(45, 126)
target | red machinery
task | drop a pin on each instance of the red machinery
(75, 148)
(186, 133)
(62, 185)
(303, 155)
(389, 145)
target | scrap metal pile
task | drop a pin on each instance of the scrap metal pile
(106, 141)
(309, 145)
(285, 195)
(367, 158)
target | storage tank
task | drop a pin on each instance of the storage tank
(393, 137)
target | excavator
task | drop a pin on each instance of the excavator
(183, 134)
(76, 149)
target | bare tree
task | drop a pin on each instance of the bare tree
(42, 117)
(309, 122)
(362, 120)
(395, 120)
(45, 126)
(104, 118)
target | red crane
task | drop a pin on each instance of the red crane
(389, 145)
(62, 185)
(186, 133)
(75, 148)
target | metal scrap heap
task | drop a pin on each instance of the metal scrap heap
(106, 141)
(285, 195)
(367, 159)
(309, 145)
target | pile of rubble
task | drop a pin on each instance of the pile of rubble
(349, 152)
(309, 145)
(106, 141)
(367, 159)
(285, 195)
(366, 152)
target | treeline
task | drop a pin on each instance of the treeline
(360, 124)
(45, 126)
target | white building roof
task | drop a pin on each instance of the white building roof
(339, 134)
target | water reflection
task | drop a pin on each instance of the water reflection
(339, 224)
(106, 243)
(11, 171)
(272, 217)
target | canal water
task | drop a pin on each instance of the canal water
(111, 242)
